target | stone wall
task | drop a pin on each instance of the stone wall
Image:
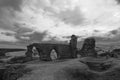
(88, 48)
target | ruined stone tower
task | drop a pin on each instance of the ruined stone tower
(88, 48)
(73, 46)
(29, 51)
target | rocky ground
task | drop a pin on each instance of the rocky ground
(48, 70)
(74, 70)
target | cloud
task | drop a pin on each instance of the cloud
(41, 20)
(118, 1)
(20, 29)
(114, 32)
(8, 9)
(32, 37)
(75, 17)
(7, 36)
(24, 38)
(14, 4)
(38, 37)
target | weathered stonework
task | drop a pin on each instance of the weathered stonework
(88, 48)
(73, 46)
(62, 50)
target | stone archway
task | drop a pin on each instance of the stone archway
(78, 56)
(35, 52)
(53, 55)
